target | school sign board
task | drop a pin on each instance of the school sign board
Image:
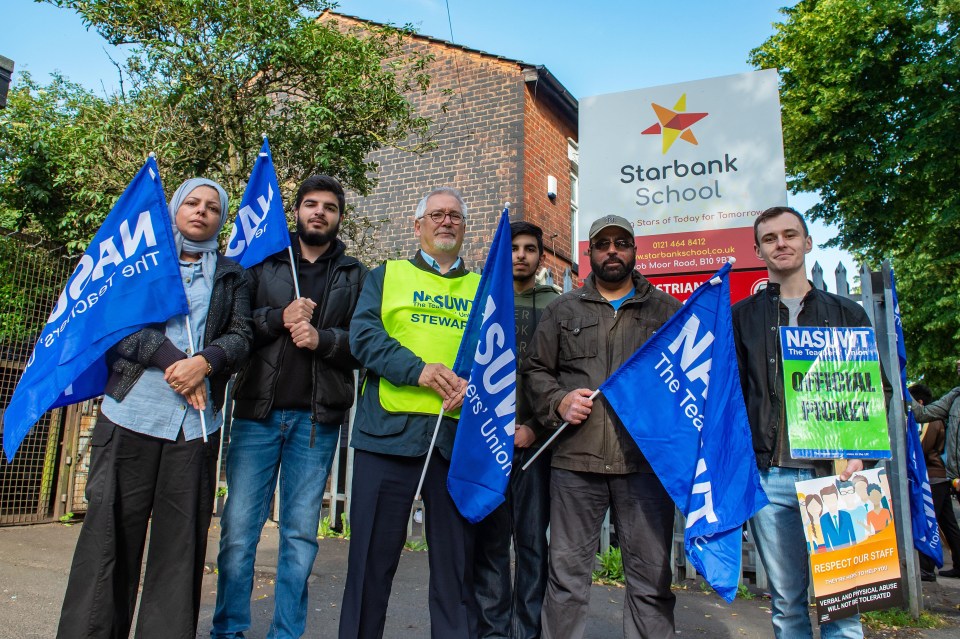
(691, 165)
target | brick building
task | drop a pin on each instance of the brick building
(509, 132)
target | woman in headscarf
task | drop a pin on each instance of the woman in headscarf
(149, 454)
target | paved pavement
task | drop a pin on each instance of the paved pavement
(35, 562)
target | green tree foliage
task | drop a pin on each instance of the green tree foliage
(204, 80)
(871, 121)
(66, 155)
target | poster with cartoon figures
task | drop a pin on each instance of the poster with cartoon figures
(852, 544)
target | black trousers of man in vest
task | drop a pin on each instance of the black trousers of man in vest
(383, 492)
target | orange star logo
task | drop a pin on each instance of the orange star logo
(674, 123)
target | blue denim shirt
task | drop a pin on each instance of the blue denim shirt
(151, 407)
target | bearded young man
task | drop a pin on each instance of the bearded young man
(289, 402)
(583, 337)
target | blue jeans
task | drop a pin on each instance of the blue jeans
(778, 532)
(258, 451)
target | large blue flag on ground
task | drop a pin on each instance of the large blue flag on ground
(260, 229)
(483, 449)
(128, 277)
(698, 442)
(923, 517)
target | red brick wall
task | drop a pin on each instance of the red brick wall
(491, 115)
(479, 140)
(545, 153)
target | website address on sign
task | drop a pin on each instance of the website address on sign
(690, 252)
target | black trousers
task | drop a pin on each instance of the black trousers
(949, 530)
(510, 609)
(134, 477)
(383, 492)
(642, 512)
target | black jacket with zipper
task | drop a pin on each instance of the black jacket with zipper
(756, 330)
(271, 290)
(226, 339)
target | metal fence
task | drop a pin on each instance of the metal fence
(48, 476)
(31, 278)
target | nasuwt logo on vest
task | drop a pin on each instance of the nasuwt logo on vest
(445, 302)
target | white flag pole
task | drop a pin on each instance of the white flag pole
(553, 437)
(293, 269)
(433, 441)
(203, 418)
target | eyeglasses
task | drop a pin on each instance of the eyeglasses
(621, 245)
(437, 217)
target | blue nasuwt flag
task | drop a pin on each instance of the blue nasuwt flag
(128, 278)
(260, 229)
(483, 449)
(698, 443)
(923, 517)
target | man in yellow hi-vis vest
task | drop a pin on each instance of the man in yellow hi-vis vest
(406, 331)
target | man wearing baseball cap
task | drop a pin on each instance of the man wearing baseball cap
(583, 336)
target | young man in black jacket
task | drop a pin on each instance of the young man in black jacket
(782, 241)
(289, 403)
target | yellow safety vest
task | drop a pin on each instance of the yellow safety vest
(427, 313)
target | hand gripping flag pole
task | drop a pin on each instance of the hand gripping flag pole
(556, 434)
(713, 282)
(193, 347)
(492, 294)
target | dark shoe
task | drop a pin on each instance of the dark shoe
(928, 576)
(953, 572)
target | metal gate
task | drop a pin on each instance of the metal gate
(32, 274)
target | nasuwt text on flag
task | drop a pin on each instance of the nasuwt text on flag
(482, 458)
(689, 419)
(260, 229)
(128, 278)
